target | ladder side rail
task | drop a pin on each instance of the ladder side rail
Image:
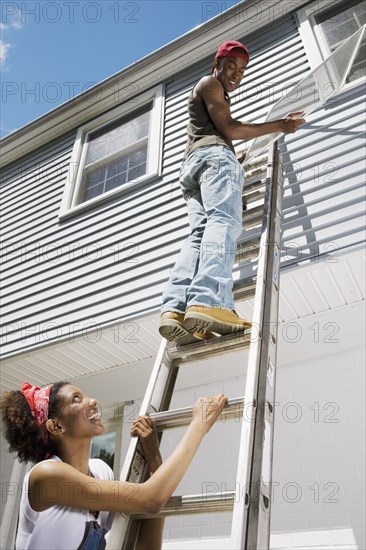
(124, 530)
(258, 532)
(267, 459)
(242, 502)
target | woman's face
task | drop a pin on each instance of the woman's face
(80, 415)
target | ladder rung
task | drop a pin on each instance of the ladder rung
(256, 211)
(256, 168)
(247, 250)
(258, 183)
(250, 211)
(247, 283)
(244, 290)
(208, 348)
(176, 418)
(195, 504)
(242, 295)
(252, 221)
(255, 196)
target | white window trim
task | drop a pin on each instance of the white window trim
(316, 46)
(154, 152)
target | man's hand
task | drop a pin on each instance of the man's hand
(292, 122)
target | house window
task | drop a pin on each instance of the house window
(325, 25)
(103, 447)
(115, 152)
(115, 156)
(339, 23)
(107, 446)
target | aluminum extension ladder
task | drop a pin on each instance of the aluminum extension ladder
(251, 512)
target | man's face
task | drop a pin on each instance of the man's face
(230, 71)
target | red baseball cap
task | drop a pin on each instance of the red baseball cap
(227, 50)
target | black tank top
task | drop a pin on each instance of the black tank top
(201, 130)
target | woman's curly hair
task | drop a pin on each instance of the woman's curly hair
(20, 428)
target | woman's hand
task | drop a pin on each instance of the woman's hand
(145, 430)
(207, 410)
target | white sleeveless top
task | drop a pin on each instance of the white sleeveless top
(58, 527)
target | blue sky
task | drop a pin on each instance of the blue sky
(52, 50)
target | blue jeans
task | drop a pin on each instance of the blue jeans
(93, 538)
(212, 183)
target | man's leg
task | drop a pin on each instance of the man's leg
(185, 268)
(175, 292)
(210, 297)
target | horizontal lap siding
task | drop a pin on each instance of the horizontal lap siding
(104, 265)
(110, 263)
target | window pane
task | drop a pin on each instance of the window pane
(103, 447)
(117, 138)
(338, 24)
(93, 192)
(128, 169)
(100, 179)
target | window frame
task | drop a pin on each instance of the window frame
(155, 96)
(313, 38)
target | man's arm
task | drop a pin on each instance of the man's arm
(210, 90)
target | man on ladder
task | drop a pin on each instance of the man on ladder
(198, 298)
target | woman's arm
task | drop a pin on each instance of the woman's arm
(53, 483)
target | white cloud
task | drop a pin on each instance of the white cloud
(14, 22)
(4, 49)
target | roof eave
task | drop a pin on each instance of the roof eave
(140, 76)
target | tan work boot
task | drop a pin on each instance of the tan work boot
(215, 319)
(171, 327)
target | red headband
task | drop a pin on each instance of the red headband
(38, 399)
